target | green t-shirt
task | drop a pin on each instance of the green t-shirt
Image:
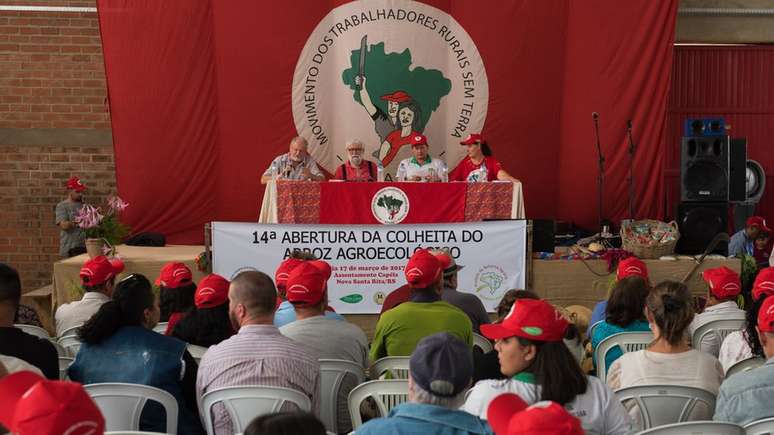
(399, 329)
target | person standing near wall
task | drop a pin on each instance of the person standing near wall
(71, 237)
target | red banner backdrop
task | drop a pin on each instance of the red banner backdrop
(201, 100)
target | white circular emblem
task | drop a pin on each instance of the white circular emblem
(390, 205)
(384, 71)
(490, 283)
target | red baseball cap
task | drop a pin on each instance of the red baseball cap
(757, 221)
(766, 315)
(283, 271)
(422, 269)
(396, 97)
(632, 266)
(323, 267)
(211, 291)
(174, 275)
(33, 405)
(508, 414)
(306, 284)
(100, 270)
(723, 282)
(533, 319)
(764, 283)
(472, 139)
(418, 139)
(74, 183)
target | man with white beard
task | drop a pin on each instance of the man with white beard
(356, 168)
(296, 164)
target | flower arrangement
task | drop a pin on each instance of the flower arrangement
(97, 224)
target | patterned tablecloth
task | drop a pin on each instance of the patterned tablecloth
(298, 202)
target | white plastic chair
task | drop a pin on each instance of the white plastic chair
(245, 403)
(60, 350)
(386, 393)
(396, 366)
(37, 331)
(70, 331)
(626, 341)
(71, 344)
(745, 365)
(594, 326)
(64, 364)
(697, 428)
(197, 352)
(764, 426)
(161, 327)
(121, 404)
(332, 375)
(482, 343)
(720, 327)
(666, 404)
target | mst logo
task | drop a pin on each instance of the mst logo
(383, 71)
(489, 282)
(390, 205)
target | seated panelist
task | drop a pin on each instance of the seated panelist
(479, 163)
(356, 168)
(421, 167)
(296, 164)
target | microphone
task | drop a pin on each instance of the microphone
(595, 115)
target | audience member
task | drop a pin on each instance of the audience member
(440, 372)
(420, 167)
(747, 396)
(176, 292)
(486, 365)
(119, 345)
(479, 163)
(469, 303)
(98, 277)
(539, 367)
(296, 164)
(763, 249)
(286, 313)
(744, 344)
(724, 286)
(27, 316)
(399, 330)
(508, 414)
(631, 266)
(743, 241)
(257, 354)
(286, 423)
(15, 342)
(668, 360)
(72, 239)
(327, 338)
(356, 168)
(624, 313)
(396, 297)
(32, 405)
(208, 322)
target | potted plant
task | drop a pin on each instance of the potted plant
(103, 230)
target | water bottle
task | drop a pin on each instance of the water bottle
(484, 173)
(379, 171)
(444, 174)
(274, 170)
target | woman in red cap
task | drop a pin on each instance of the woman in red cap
(479, 162)
(532, 353)
(208, 322)
(631, 266)
(177, 290)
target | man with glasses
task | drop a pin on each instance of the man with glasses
(356, 168)
(296, 164)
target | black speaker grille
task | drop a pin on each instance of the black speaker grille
(705, 180)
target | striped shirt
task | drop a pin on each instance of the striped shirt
(257, 355)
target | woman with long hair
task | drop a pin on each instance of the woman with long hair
(177, 290)
(119, 345)
(539, 367)
(208, 323)
(478, 161)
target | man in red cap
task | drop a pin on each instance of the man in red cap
(286, 313)
(176, 293)
(31, 405)
(307, 291)
(421, 167)
(479, 165)
(508, 414)
(723, 288)
(743, 242)
(399, 330)
(13, 341)
(98, 278)
(747, 397)
(469, 303)
(71, 237)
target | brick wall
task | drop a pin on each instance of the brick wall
(53, 124)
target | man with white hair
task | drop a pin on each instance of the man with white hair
(356, 168)
(440, 372)
(296, 164)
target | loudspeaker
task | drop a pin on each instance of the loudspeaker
(543, 231)
(704, 168)
(737, 170)
(698, 224)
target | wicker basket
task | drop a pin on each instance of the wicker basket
(651, 250)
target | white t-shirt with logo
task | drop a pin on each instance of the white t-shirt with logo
(410, 167)
(598, 409)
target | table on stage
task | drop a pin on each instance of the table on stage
(137, 259)
(305, 201)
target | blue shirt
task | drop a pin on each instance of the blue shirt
(422, 419)
(746, 397)
(604, 330)
(286, 314)
(597, 315)
(740, 244)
